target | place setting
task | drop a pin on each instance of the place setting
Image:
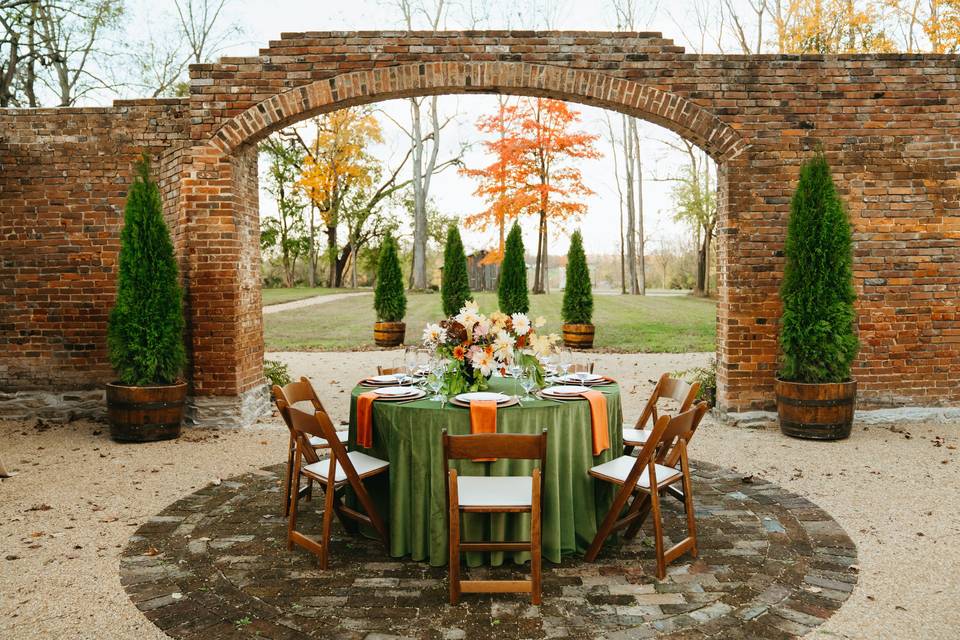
(466, 399)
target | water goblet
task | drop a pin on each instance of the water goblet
(528, 380)
(515, 369)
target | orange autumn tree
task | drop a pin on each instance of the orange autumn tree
(337, 166)
(535, 150)
(499, 183)
(547, 152)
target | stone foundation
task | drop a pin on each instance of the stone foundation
(229, 412)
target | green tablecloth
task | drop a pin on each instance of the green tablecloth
(413, 500)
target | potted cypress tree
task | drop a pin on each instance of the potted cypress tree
(455, 284)
(145, 331)
(512, 290)
(815, 392)
(577, 310)
(389, 299)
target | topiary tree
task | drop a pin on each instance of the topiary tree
(512, 291)
(389, 299)
(145, 330)
(455, 285)
(817, 327)
(578, 294)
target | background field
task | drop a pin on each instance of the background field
(624, 323)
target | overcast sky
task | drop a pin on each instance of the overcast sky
(262, 21)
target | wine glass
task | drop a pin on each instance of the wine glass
(528, 380)
(435, 380)
(565, 359)
(424, 356)
(410, 363)
(515, 369)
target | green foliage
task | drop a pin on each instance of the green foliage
(389, 299)
(512, 292)
(577, 295)
(145, 332)
(707, 377)
(455, 285)
(817, 327)
(276, 372)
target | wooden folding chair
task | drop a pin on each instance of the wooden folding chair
(581, 368)
(334, 474)
(644, 478)
(495, 494)
(290, 396)
(388, 371)
(679, 391)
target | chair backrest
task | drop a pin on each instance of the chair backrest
(290, 394)
(680, 428)
(495, 445)
(319, 424)
(680, 391)
(387, 371)
(581, 368)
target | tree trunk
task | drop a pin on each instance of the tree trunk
(641, 258)
(418, 276)
(332, 255)
(312, 256)
(340, 264)
(631, 230)
(540, 268)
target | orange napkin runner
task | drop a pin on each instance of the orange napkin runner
(483, 419)
(365, 418)
(598, 420)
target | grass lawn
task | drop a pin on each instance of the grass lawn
(289, 294)
(655, 324)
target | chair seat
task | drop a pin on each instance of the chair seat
(365, 466)
(633, 436)
(317, 442)
(495, 491)
(617, 471)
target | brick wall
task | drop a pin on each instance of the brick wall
(887, 122)
(64, 174)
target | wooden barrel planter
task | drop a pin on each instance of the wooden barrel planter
(821, 411)
(578, 336)
(145, 414)
(389, 334)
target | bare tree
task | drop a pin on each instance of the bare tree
(424, 160)
(202, 29)
(17, 52)
(71, 35)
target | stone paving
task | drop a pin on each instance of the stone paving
(215, 565)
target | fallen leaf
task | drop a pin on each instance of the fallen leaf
(151, 551)
(217, 482)
(39, 507)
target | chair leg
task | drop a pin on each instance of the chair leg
(292, 517)
(536, 576)
(658, 534)
(688, 507)
(454, 540)
(329, 491)
(288, 479)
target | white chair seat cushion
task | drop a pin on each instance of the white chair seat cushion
(363, 464)
(317, 441)
(621, 467)
(495, 491)
(638, 436)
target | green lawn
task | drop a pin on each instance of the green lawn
(276, 296)
(624, 323)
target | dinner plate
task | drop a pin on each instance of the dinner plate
(396, 392)
(457, 402)
(582, 378)
(564, 390)
(500, 398)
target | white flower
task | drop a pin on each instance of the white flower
(483, 362)
(521, 323)
(470, 306)
(539, 322)
(541, 345)
(503, 347)
(434, 334)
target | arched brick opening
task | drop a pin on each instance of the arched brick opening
(223, 173)
(888, 124)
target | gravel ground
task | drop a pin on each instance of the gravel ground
(77, 497)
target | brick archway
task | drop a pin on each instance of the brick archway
(888, 124)
(228, 158)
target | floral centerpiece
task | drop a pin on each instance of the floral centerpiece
(475, 346)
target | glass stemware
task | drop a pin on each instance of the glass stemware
(515, 370)
(435, 379)
(528, 380)
(564, 360)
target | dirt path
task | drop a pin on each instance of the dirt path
(309, 302)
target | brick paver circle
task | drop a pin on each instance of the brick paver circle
(215, 565)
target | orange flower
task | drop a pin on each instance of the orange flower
(489, 349)
(458, 352)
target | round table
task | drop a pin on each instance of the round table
(412, 496)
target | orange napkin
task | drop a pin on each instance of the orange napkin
(598, 420)
(483, 419)
(365, 418)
